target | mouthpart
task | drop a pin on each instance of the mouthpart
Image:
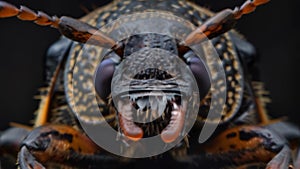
(145, 114)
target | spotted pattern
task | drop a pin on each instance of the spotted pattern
(88, 61)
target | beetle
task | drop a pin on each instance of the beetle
(62, 142)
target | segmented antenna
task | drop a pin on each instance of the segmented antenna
(222, 22)
(26, 14)
(248, 7)
(72, 28)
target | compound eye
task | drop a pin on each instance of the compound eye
(103, 78)
(201, 75)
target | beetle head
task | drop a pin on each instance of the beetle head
(151, 84)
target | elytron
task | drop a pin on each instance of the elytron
(244, 137)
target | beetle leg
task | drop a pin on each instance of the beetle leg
(45, 100)
(71, 28)
(27, 160)
(244, 145)
(10, 141)
(52, 144)
(282, 160)
(61, 145)
(221, 22)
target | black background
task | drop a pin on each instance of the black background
(272, 28)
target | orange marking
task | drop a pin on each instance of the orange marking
(252, 148)
(61, 149)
